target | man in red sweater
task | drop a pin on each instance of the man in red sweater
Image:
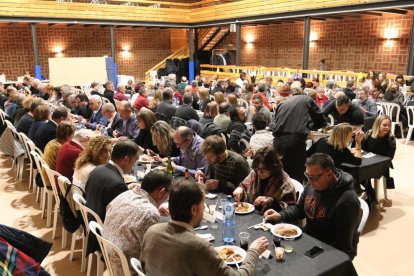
(69, 152)
(120, 93)
(142, 100)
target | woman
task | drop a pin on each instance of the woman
(145, 120)
(382, 78)
(320, 96)
(97, 152)
(267, 185)
(219, 98)
(210, 112)
(19, 106)
(380, 141)
(41, 114)
(50, 90)
(10, 104)
(163, 138)
(155, 100)
(232, 99)
(375, 92)
(247, 92)
(204, 98)
(337, 145)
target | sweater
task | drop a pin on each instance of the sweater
(66, 158)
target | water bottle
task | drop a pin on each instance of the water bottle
(104, 131)
(229, 221)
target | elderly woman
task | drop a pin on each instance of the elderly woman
(19, 106)
(145, 120)
(267, 185)
(337, 145)
(210, 112)
(97, 152)
(163, 137)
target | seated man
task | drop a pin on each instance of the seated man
(222, 120)
(329, 204)
(186, 111)
(190, 157)
(131, 213)
(142, 100)
(261, 137)
(69, 152)
(173, 249)
(82, 109)
(95, 102)
(120, 93)
(367, 105)
(344, 112)
(129, 128)
(226, 169)
(166, 107)
(114, 120)
(258, 107)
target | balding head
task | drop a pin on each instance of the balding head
(108, 110)
(121, 88)
(95, 102)
(183, 137)
(125, 110)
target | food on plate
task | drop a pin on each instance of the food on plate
(146, 158)
(287, 231)
(228, 255)
(243, 207)
(129, 178)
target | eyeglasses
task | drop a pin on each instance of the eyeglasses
(313, 177)
(180, 144)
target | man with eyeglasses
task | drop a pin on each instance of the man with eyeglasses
(329, 204)
(190, 158)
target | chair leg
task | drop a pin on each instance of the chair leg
(64, 238)
(84, 248)
(43, 200)
(376, 187)
(88, 273)
(384, 184)
(409, 134)
(30, 176)
(393, 128)
(72, 247)
(49, 208)
(55, 222)
(99, 265)
(402, 129)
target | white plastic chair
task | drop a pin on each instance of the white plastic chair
(384, 186)
(106, 247)
(298, 188)
(32, 147)
(365, 215)
(331, 120)
(410, 113)
(25, 141)
(393, 110)
(85, 211)
(136, 264)
(47, 194)
(105, 100)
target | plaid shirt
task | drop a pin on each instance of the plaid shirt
(279, 188)
(14, 262)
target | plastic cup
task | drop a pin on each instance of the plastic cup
(288, 245)
(244, 240)
(279, 253)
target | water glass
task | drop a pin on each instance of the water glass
(288, 245)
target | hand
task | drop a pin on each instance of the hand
(164, 211)
(212, 184)
(263, 200)
(150, 152)
(260, 244)
(199, 174)
(99, 127)
(272, 215)
(248, 153)
(238, 194)
(116, 134)
(359, 136)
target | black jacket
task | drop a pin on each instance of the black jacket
(354, 115)
(332, 215)
(116, 125)
(186, 112)
(109, 95)
(144, 140)
(167, 109)
(236, 131)
(45, 133)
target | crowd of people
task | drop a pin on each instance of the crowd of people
(245, 139)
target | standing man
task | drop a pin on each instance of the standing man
(291, 128)
(329, 204)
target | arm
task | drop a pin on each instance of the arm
(295, 212)
(318, 116)
(372, 110)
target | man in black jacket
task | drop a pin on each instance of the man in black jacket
(329, 204)
(109, 92)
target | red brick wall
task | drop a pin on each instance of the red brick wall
(351, 44)
(146, 46)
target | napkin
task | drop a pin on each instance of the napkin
(211, 196)
(265, 254)
(207, 237)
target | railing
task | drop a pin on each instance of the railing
(233, 72)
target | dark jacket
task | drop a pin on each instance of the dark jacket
(24, 123)
(109, 95)
(44, 134)
(34, 127)
(385, 146)
(332, 215)
(186, 112)
(116, 125)
(144, 140)
(354, 115)
(97, 118)
(236, 131)
(167, 109)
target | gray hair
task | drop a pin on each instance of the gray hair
(330, 84)
(83, 134)
(296, 90)
(97, 98)
(108, 107)
(19, 99)
(184, 132)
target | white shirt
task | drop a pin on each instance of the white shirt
(260, 139)
(81, 176)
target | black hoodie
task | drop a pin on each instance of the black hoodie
(332, 215)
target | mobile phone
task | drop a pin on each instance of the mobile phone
(314, 251)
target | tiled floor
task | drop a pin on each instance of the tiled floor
(385, 248)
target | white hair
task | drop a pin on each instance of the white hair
(83, 134)
(97, 98)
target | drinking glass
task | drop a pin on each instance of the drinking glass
(279, 252)
(244, 240)
(288, 245)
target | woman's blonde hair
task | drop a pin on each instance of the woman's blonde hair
(203, 92)
(29, 100)
(339, 136)
(232, 99)
(377, 124)
(219, 97)
(93, 151)
(162, 137)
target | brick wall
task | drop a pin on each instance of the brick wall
(351, 44)
(146, 47)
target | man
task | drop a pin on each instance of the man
(226, 168)
(95, 89)
(367, 105)
(129, 128)
(344, 112)
(261, 137)
(182, 84)
(329, 204)
(222, 120)
(261, 90)
(219, 87)
(70, 151)
(186, 111)
(142, 100)
(190, 158)
(237, 128)
(173, 248)
(131, 213)
(291, 126)
(258, 107)
(240, 79)
(47, 132)
(83, 109)
(120, 93)
(95, 102)
(114, 120)
(109, 91)
(323, 65)
(165, 107)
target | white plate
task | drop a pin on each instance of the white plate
(129, 179)
(250, 210)
(142, 157)
(237, 250)
(277, 226)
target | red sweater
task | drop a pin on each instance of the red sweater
(120, 96)
(66, 158)
(141, 102)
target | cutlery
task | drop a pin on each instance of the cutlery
(203, 227)
(237, 265)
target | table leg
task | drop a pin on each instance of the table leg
(376, 183)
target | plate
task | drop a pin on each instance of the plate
(129, 179)
(236, 250)
(280, 225)
(146, 159)
(250, 210)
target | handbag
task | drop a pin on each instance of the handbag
(70, 220)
